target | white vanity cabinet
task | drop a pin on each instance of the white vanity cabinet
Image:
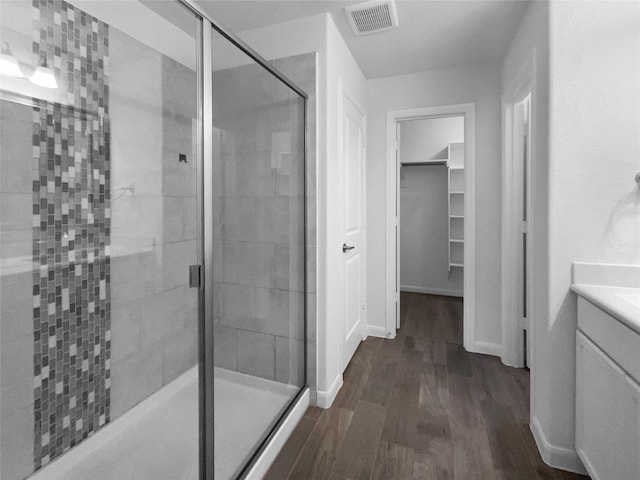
(607, 395)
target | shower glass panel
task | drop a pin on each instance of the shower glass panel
(98, 226)
(258, 253)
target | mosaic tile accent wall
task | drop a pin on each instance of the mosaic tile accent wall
(71, 232)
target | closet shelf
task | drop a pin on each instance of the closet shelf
(456, 187)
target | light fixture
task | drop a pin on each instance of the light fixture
(9, 66)
(43, 75)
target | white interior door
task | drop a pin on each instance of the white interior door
(353, 239)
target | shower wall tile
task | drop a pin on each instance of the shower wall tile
(289, 369)
(273, 219)
(312, 253)
(225, 262)
(255, 175)
(238, 305)
(17, 375)
(16, 323)
(312, 308)
(191, 309)
(133, 163)
(173, 221)
(16, 438)
(217, 303)
(156, 225)
(256, 264)
(189, 214)
(134, 74)
(177, 134)
(176, 258)
(71, 229)
(16, 292)
(16, 168)
(15, 244)
(16, 211)
(178, 179)
(134, 278)
(162, 316)
(312, 228)
(125, 333)
(135, 377)
(225, 173)
(240, 218)
(272, 311)
(146, 117)
(225, 349)
(257, 197)
(179, 353)
(256, 354)
(279, 312)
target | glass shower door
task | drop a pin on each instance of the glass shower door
(98, 227)
(258, 253)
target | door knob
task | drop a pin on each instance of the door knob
(346, 248)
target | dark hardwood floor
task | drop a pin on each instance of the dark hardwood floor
(420, 407)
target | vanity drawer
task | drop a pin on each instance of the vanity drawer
(618, 341)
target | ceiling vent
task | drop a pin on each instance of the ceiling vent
(372, 16)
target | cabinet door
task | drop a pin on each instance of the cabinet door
(632, 424)
(601, 388)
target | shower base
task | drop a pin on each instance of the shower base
(158, 438)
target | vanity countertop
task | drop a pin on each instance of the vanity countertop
(623, 303)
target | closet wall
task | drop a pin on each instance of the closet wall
(424, 240)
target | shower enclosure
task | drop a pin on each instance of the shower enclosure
(152, 244)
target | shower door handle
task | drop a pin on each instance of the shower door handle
(195, 276)
(347, 248)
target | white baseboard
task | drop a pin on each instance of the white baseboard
(373, 331)
(486, 348)
(554, 456)
(326, 398)
(262, 464)
(431, 291)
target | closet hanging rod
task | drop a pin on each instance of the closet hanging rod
(436, 162)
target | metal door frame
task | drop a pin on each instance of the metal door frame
(205, 197)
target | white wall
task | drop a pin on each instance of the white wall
(470, 84)
(319, 33)
(428, 139)
(594, 212)
(586, 109)
(532, 38)
(424, 241)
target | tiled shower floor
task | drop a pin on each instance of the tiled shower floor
(163, 444)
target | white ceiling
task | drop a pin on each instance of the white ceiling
(431, 34)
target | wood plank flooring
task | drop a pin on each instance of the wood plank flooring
(419, 407)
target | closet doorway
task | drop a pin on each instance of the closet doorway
(431, 157)
(431, 218)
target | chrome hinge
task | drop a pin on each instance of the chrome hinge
(195, 276)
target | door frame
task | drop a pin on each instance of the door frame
(344, 91)
(392, 273)
(275, 438)
(520, 87)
